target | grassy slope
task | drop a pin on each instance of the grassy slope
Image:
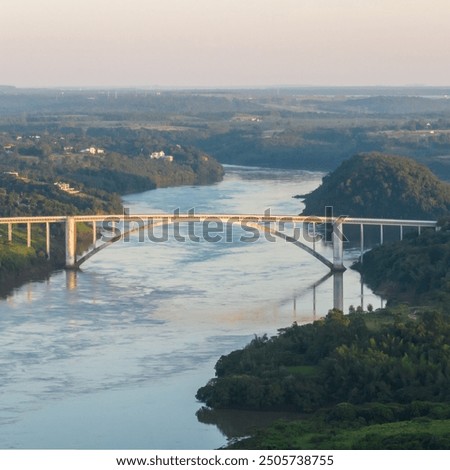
(313, 433)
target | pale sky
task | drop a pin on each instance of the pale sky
(224, 43)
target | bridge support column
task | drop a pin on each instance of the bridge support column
(71, 243)
(47, 239)
(361, 228)
(10, 232)
(338, 291)
(338, 246)
(28, 234)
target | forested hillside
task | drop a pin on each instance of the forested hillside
(368, 380)
(118, 160)
(356, 358)
(50, 168)
(384, 186)
(306, 128)
(415, 270)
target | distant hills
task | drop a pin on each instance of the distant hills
(384, 186)
(308, 128)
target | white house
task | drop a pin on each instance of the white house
(93, 151)
(66, 188)
(161, 156)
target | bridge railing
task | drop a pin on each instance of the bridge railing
(110, 223)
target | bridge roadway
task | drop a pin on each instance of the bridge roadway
(173, 218)
(261, 221)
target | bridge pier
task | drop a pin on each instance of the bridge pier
(338, 290)
(338, 247)
(261, 222)
(47, 239)
(29, 234)
(71, 243)
(361, 229)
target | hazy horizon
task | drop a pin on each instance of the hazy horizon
(232, 44)
(180, 88)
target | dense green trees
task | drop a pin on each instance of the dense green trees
(286, 128)
(123, 165)
(368, 380)
(32, 162)
(376, 380)
(376, 185)
(27, 197)
(419, 425)
(416, 269)
(354, 358)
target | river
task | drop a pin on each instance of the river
(111, 357)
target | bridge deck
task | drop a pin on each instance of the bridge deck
(224, 218)
(245, 220)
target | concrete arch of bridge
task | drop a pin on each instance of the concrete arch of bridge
(254, 225)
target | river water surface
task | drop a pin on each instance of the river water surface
(111, 357)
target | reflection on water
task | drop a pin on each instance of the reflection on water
(112, 356)
(71, 279)
(235, 424)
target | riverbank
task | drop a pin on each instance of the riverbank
(125, 342)
(414, 271)
(374, 379)
(32, 197)
(366, 380)
(20, 264)
(17, 267)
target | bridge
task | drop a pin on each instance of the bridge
(118, 227)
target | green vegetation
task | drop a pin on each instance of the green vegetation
(25, 197)
(18, 263)
(420, 425)
(364, 380)
(21, 196)
(61, 157)
(375, 185)
(107, 161)
(306, 128)
(338, 359)
(415, 270)
(16, 258)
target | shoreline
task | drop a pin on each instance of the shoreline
(37, 269)
(38, 272)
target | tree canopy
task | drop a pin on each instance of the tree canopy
(384, 186)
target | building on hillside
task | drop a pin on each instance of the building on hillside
(66, 188)
(161, 156)
(93, 151)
